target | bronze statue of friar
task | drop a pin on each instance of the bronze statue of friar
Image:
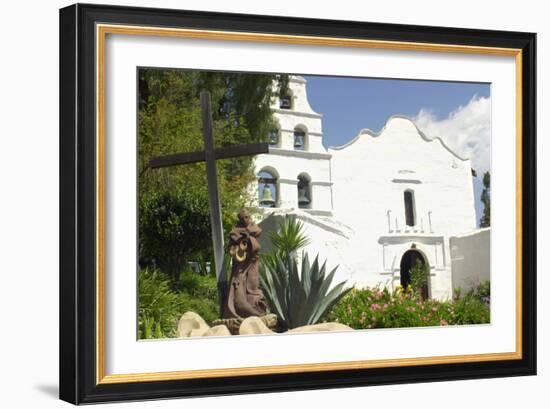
(245, 297)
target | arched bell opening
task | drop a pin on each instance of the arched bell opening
(300, 138)
(274, 136)
(268, 188)
(304, 191)
(286, 100)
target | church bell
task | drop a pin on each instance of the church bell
(273, 138)
(303, 200)
(267, 198)
(299, 141)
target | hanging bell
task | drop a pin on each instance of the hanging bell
(303, 200)
(273, 138)
(299, 141)
(267, 198)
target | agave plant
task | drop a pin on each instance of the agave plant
(299, 299)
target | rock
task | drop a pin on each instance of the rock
(191, 324)
(325, 326)
(270, 320)
(217, 331)
(254, 326)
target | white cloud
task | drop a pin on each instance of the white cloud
(466, 131)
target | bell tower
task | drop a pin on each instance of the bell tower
(296, 172)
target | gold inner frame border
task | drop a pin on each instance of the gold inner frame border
(102, 30)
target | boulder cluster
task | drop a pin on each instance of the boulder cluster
(193, 325)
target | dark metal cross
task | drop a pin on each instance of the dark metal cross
(210, 155)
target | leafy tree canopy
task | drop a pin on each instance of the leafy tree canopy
(174, 219)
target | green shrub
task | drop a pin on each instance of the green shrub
(161, 304)
(158, 305)
(471, 310)
(172, 225)
(483, 292)
(199, 293)
(419, 275)
(474, 306)
(198, 285)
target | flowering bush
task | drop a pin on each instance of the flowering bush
(380, 308)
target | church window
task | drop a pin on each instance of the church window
(409, 208)
(304, 192)
(299, 139)
(268, 188)
(285, 102)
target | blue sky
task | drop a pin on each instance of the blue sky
(452, 110)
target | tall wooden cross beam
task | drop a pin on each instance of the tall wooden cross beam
(210, 155)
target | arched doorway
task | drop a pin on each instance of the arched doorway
(408, 261)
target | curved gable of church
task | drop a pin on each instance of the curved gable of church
(381, 171)
(398, 134)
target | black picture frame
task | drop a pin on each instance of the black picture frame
(78, 237)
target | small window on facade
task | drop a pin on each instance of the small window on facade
(409, 208)
(267, 189)
(273, 137)
(285, 102)
(299, 139)
(304, 192)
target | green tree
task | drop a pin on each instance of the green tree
(485, 220)
(419, 276)
(174, 214)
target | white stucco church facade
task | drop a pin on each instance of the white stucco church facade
(374, 205)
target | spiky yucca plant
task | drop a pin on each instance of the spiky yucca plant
(297, 298)
(290, 236)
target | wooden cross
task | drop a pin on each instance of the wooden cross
(210, 155)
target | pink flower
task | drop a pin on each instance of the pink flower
(443, 322)
(375, 307)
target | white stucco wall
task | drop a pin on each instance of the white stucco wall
(375, 170)
(471, 258)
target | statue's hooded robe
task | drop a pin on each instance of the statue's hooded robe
(245, 297)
